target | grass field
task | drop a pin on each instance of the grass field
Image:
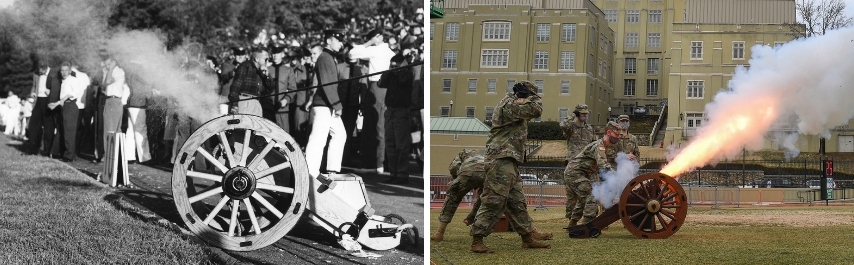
(753, 235)
(53, 214)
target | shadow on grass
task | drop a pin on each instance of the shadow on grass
(158, 203)
(62, 183)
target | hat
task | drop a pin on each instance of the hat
(238, 51)
(582, 108)
(613, 126)
(623, 117)
(373, 33)
(277, 49)
(531, 86)
(339, 34)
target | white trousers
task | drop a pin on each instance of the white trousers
(323, 125)
(136, 137)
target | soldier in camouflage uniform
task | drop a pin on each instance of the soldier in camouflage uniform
(468, 172)
(576, 130)
(585, 168)
(578, 135)
(628, 141)
(505, 148)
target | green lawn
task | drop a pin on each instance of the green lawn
(706, 242)
(53, 214)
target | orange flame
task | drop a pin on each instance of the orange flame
(731, 129)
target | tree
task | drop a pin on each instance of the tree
(818, 17)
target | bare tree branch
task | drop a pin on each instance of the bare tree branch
(817, 18)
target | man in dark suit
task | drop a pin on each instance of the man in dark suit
(284, 79)
(52, 117)
(349, 93)
(39, 115)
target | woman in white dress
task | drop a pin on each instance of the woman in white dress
(13, 104)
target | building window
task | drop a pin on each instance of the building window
(592, 37)
(494, 58)
(510, 84)
(490, 85)
(567, 32)
(611, 15)
(445, 111)
(489, 112)
(738, 50)
(567, 60)
(449, 60)
(541, 60)
(432, 27)
(631, 39)
(631, 65)
(655, 16)
(695, 89)
(469, 112)
(696, 50)
(446, 85)
(590, 64)
(651, 87)
(496, 30)
(540, 85)
(632, 16)
(653, 40)
(472, 85)
(564, 87)
(629, 90)
(543, 31)
(452, 31)
(629, 108)
(590, 91)
(563, 113)
(777, 44)
(652, 66)
(693, 120)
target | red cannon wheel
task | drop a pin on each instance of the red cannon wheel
(653, 205)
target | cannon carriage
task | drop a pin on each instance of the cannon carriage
(652, 205)
(241, 183)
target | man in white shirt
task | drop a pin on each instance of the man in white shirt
(114, 82)
(70, 102)
(378, 54)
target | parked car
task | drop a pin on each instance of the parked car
(816, 183)
(776, 183)
(696, 183)
(529, 179)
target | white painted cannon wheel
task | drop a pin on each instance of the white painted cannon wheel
(274, 170)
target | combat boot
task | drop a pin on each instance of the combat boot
(572, 223)
(529, 242)
(541, 235)
(440, 234)
(478, 247)
(585, 220)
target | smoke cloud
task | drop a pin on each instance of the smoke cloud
(804, 84)
(74, 30)
(609, 190)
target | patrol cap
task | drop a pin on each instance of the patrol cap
(373, 33)
(613, 126)
(339, 34)
(623, 117)
(277, 49)
(531, 86)
(238, 51)
(582, 108)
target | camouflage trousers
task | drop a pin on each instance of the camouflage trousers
(457, 190)
(502, 191)
(579, 201)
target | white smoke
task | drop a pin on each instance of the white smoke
(609, 190)
(804, 84)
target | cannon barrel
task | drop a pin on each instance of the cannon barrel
(652, 205)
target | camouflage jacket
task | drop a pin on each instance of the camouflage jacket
(510, 127)
(470, 165)
(577, 136)
(628, 144)
(591, 159)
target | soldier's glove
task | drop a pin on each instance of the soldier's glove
(521, 91)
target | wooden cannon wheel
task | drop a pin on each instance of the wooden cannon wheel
(653, 206)
(240, 182)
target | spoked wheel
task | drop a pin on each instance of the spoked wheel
(240, 182)
(653, 206)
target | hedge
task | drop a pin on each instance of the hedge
(545, 130)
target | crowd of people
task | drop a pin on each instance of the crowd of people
(290, 79)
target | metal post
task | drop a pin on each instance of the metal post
(540, 205)
(716, 199)
(738, 196)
